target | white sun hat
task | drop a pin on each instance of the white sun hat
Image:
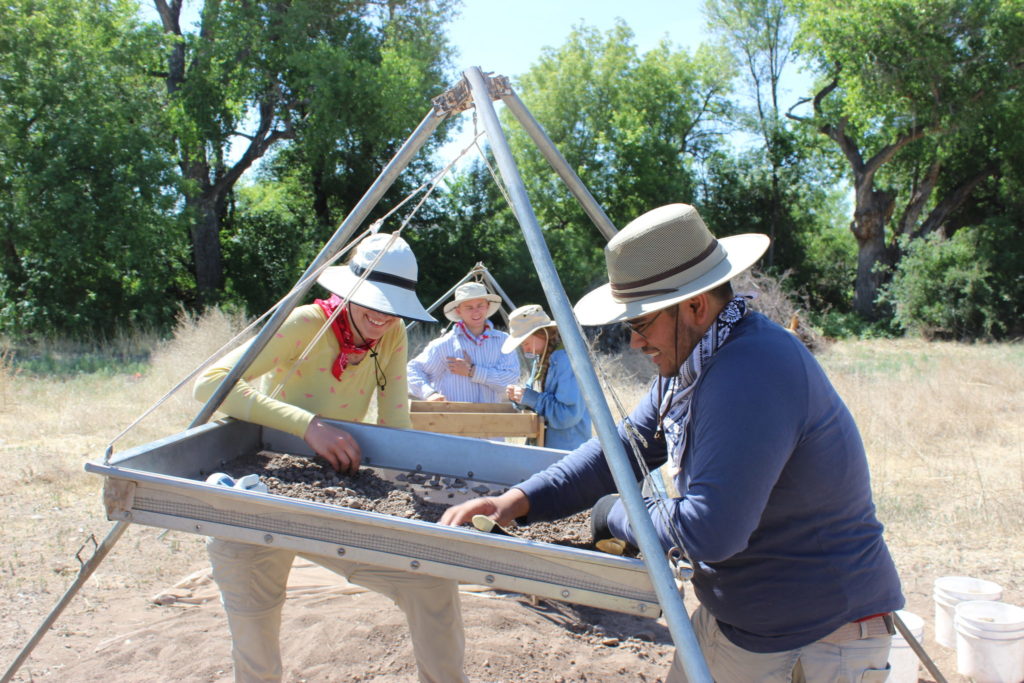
(389, 288)
(523, 322)
(663, 257)
(467, 291)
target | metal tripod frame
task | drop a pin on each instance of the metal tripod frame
(479, 270)
(478, 90)
(669, 597)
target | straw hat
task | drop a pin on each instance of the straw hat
(389, 288)
(467, 291)
(523, 322)
(663, 257)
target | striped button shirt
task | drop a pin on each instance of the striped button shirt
(429, 374)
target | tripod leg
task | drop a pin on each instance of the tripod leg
(83, 575)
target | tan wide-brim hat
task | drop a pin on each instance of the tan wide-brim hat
(468, 291)
(663, 257)
(523, 322)
(389, 288)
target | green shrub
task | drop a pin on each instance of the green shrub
(966, 287)
(836, 324)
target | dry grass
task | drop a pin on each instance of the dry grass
(50, 425)
(942, 423)
(8, 373)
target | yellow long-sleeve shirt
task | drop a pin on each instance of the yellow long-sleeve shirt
(312, 389)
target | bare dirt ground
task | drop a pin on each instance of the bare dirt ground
(156, 631)
(338, 632)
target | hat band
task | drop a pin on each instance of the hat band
(618, 288)
(384, 278)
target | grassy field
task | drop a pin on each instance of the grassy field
(943, 424)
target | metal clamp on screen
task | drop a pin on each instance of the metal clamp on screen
(682, 569)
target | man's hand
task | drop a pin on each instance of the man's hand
(436, 396)
(502, 509)
(514, 393)
(335, 445)
(460, 366)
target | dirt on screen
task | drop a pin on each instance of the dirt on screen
(314, 479)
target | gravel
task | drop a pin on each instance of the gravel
(314, 479)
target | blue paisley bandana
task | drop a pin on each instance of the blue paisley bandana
(675, 406)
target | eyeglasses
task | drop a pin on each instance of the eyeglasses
(641, 325)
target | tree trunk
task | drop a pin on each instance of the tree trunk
(206, 254)
(321, 198)
(870, 216)
(210, 181)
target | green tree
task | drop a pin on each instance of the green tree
(335, 76)
(86, 185)
(815, 259)
(924, 101)
(364, 91)
(634, 127)
(963, 287)
(760, 35)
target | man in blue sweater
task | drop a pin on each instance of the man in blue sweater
(775, 511)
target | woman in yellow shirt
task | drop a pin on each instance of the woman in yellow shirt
(365, 350)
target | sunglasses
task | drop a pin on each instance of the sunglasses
(641, 325)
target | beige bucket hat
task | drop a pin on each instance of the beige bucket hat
(389, 288)
(467, 291)
(523, 322)
(661, 258)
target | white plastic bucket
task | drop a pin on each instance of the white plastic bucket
(990, 641)
(903, 661)
(952, 590)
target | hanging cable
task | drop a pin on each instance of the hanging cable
(487, 163)
(372, 229)
(681, 565)
(220, 351)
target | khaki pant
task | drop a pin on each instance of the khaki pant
(852, 661)
(253, 580)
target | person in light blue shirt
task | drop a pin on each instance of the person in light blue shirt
(466, 363)
(551, 390)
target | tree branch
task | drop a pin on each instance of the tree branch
(919, 198)
(938, 216)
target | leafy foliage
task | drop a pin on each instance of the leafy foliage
(633, 127)
(968, 286)
(268, 242)
(915, 96)
(336, 79)
(85, 177)
(120, 193)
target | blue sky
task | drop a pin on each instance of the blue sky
(506, 36)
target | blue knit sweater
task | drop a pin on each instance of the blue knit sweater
(776, 509)
(560, 403)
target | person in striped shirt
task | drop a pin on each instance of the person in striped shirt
(466, 363)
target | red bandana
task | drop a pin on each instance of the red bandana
(343, 333)
(472, 337)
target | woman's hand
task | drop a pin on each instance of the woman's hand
(335, 445)
(514, 393)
